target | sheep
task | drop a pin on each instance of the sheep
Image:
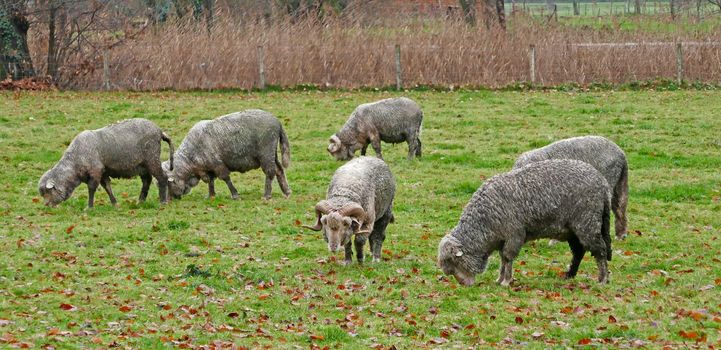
(602, 154)
(392, 120)
(567, 200)
(240, 141)
(123, 150)
(359, 202)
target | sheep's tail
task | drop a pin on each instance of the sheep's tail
(284, 148)
(606, 228)
(167, 139)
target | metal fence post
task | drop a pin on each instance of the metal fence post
(261, 68)
(399, 82)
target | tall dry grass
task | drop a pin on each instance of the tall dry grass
(439, 52)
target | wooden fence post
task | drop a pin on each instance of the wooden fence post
(532, 64)
(679, 63)
(261, 68)
(399, 82)
(106, 70)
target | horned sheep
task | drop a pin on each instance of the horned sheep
(359, 202)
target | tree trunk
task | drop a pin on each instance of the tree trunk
(637, 6)
(576, 10)
(501, 13)
(14, 51)
(52, 68)
(209, 11)
(469, 11)
(673, 9)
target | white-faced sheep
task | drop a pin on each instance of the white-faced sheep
(602, 154)
(123, 150)
(567, 200)
(392, 120)
(240, 142)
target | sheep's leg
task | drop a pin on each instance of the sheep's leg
(211, 187)
(376, 143)
(364, 149)
(418, 147)
(510, 250)
(578, 252)
(618, 204)
(224, 174)
(502, 270)
(379, 235)
(412, 141)
(105, 182)
(348, 253)
(155, 169)
(599, 253)
(92, 187)
(602, 268)
(282, 180)
(359, 241)
(147, 180)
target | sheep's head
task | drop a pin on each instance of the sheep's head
(453, 261)
(339, 150)
(339, 226)
(54, 190)
(177, 186)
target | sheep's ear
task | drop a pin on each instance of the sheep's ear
(459, 253)
(50, 185)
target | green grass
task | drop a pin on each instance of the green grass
(198, 270)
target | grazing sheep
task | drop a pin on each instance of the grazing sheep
(567, 200)
(602, 154)
(240, 141)
(123, 150)
(392, 120)
(359, 202)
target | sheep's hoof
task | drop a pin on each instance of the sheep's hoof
(266, 198)
(346, 262)
(568, 276)
(375, 260)
(552, 242)
(235, 198)
(621, 237)
(506, 283)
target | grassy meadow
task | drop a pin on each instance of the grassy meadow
(214, 272)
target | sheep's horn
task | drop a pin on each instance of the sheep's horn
(320, 209)
(50, 185)
(353, 210)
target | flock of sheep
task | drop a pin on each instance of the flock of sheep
(564, 191)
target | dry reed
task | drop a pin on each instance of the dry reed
(440, 53)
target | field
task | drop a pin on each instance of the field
(203, 272)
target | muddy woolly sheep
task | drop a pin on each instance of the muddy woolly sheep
(240, 141)
(123, 150)
(602, 154)
(392, 120)
(359, 202)
(567, 200)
